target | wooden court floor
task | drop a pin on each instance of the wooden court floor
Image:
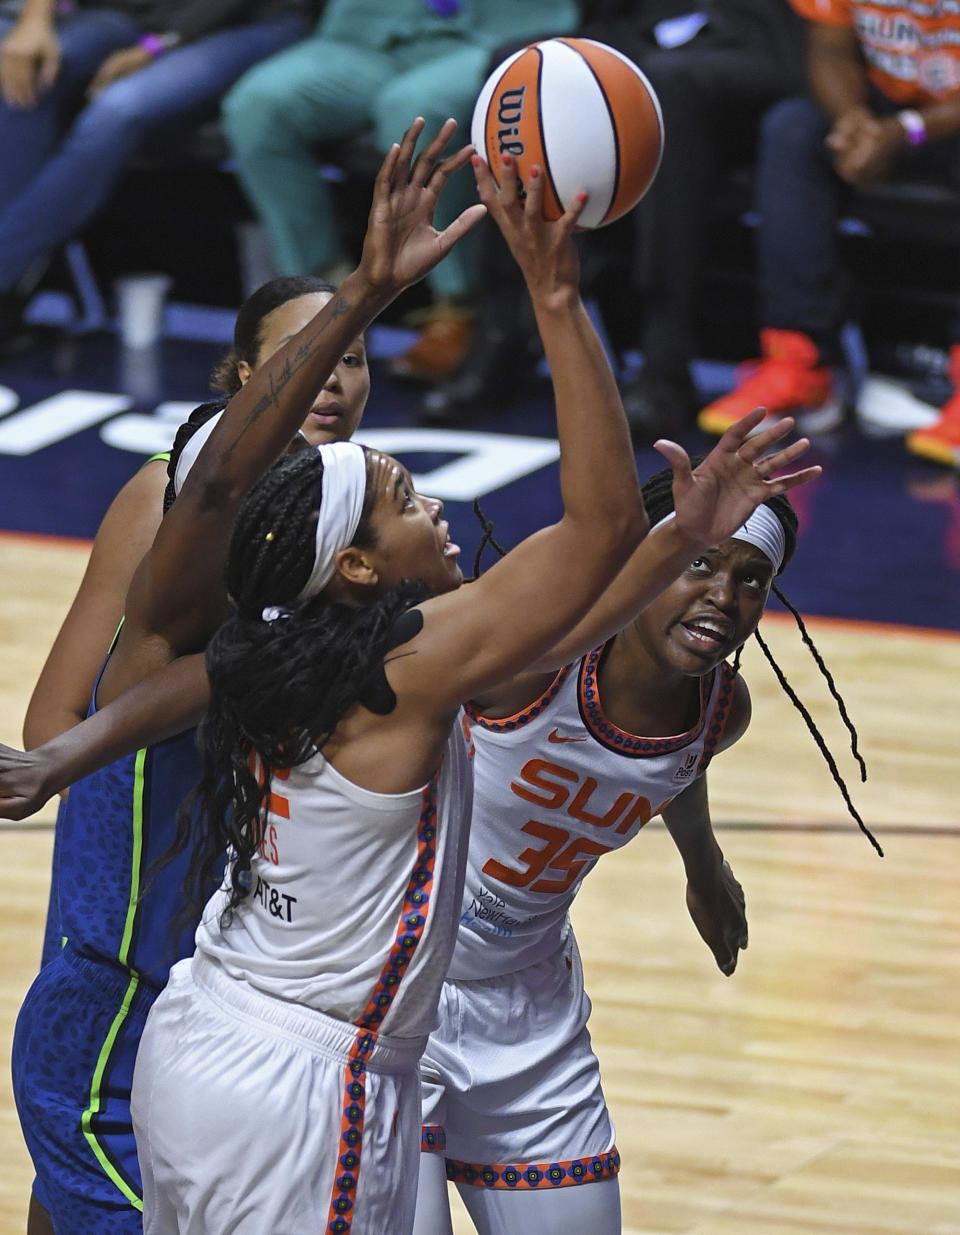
(817, 1092)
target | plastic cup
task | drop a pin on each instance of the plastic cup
(140, 300)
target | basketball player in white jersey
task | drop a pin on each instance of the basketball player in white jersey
(276, 1086)
(570, 766)
(319, 957)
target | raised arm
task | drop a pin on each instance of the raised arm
(490, 630)
(177, 597)
(711, 502)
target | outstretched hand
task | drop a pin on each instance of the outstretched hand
(22, 783)
(401, 244)
(719, 495)
(543, 248)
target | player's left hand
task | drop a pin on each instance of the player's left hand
(718, 910)
(715, 498)
(401, 244)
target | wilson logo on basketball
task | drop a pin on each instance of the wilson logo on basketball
(510, 117)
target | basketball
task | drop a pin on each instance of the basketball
(581, 111)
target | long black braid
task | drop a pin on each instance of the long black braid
(278, 687)
(658, 499)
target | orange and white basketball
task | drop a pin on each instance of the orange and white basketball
(584, 113)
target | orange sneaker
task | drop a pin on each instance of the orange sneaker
(442, 345)
(940, 442)
(786, 380)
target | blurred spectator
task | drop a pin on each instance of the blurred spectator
(374, 65)
(716, 71)
(885, 80)
(85, 86)
(716, 65)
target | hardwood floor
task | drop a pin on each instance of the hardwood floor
(816, 1091)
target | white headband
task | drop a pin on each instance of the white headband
(763, 530)
(188, 456)
(344, 488)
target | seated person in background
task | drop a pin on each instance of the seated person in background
(716, 65)
(370, 65)
(886, 104)
(85, 86)
(716, 71)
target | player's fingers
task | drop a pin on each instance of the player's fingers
(795, 479)
(509, 181)
(446, 167)
(429, 159)
(385, 176)
(405, 152)
(738, 434)
(571, 215)
(486, 185)
(782, 458)
(676, 456)
(533, 201)
(461, 225)
(760, 441)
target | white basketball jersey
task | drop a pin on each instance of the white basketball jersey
(556, 787)
(353, 901)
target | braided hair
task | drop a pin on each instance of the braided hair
(658, 500)
(278, 687)
(247, 330)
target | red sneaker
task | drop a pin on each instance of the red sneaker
(940, 442)
(786, 380)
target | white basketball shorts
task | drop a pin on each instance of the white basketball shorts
(511, 1090)
(254, 1115)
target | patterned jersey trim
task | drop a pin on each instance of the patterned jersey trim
(351, 1135)
(433, 1139)
(721, 714)
(508, 723)
(618, 740)
(527, 1176)
(413, 918)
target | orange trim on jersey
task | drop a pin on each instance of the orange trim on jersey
(721, 714)
(339, 1215)
(912, 49)
(507, 724)
(618, 740)
(413, 917)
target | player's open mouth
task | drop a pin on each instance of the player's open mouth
(710, 634)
